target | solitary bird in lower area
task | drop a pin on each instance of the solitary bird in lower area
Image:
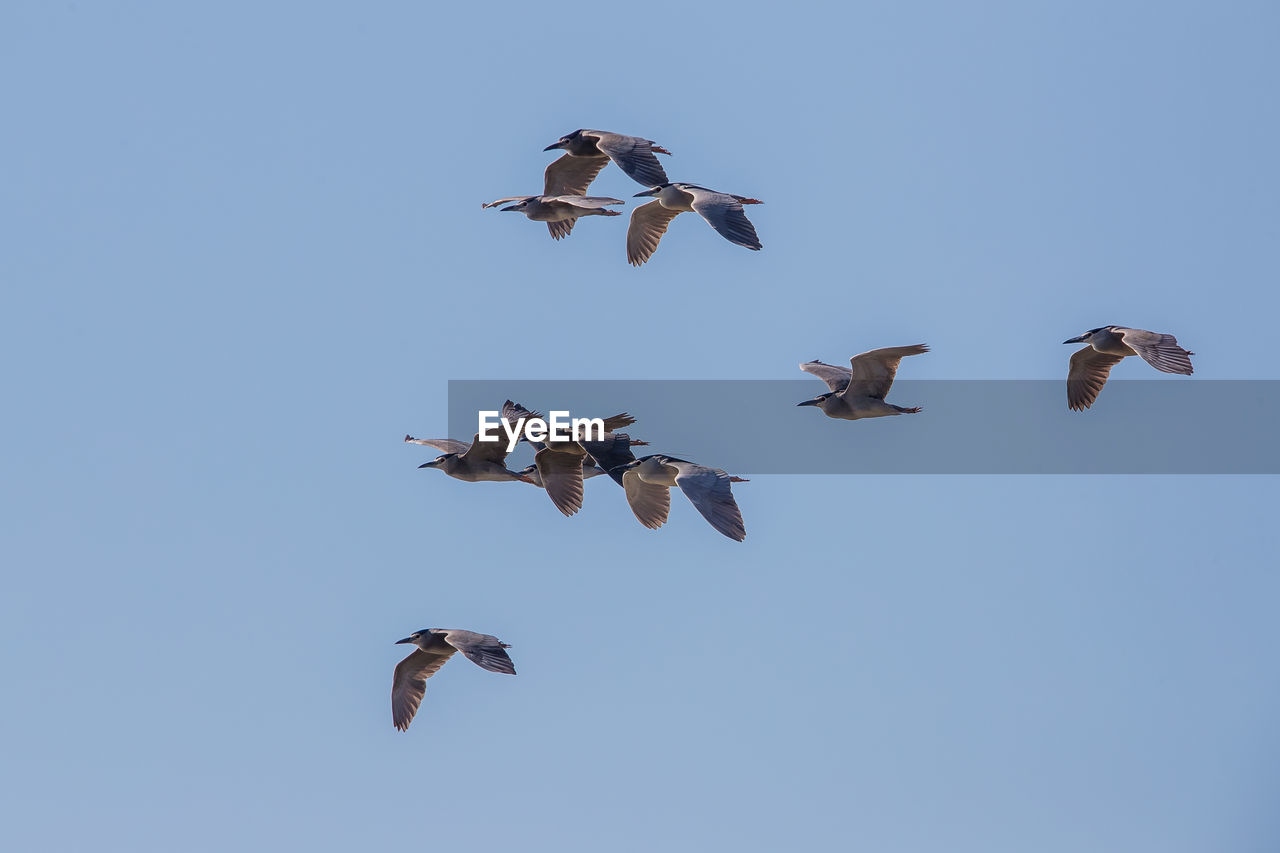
(435, 646)
(648, 483)
(723, 211)
(481, 461)
(1107, 346)
(858, 391)
(586, 152)
(560, 212)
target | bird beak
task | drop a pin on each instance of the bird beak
(653, 191)
(1076, 339)
(509, 207)
(553, 146)
(427, 465)
(814, 402)
(405, 640)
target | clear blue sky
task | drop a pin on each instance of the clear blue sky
(244, 252)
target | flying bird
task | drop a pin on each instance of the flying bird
(560, 463)
(589, 151)
(435, 646)
(480, 461)
(613, 450)
(858, 391)
(648, 483)
(1107, 346)
(723, 212)
(560, 212)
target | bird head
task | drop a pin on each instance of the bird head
(437, 462)
(654, 191)
(414, 637)
(564, 141)
(816, 401)
(518, 206)
(1079, 339)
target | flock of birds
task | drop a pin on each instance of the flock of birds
(560, 467)
(586, 152)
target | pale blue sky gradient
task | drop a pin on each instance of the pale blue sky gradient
(244, 253)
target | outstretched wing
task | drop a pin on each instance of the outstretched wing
(633, 155)
(1088, 373)
(834, 375)
(1158, 350)
(650, 503)
(446, 445)
(409, 683)
(872, 372)
(572, 175)
(487, 451)
(561, 474)
(611, 452)
(725, 214)
(509, 198)
(648, 223)
(482, 649)
(709, 491)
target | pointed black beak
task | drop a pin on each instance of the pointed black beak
(653, 191)
(509, 207)
(426, 465)
(1077, 339)
(553, 146)
(405, 640)
(814, 402)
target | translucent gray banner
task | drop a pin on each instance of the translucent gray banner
(1179, 426)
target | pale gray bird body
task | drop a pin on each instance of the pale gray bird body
(435, 646)
(1107, 347)
(480, 461)
(858, 391)
(723, 212)
(648, 483)
(589, 151)
(560, 212)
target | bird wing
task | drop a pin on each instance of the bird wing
(709, 491)
(633, 155)
(1158, 350)
(651, 503)
(724, 213)
(507, 199)
(513, 412)
(618, 421)
(648, 223)
(410, 683)
(588, 202)
(872, 372)
(482, 649)
(1088, 373)
(561, 474)
(836, 377)
(487, 451)
(560, 228)
(571, 175)
(447, 445)
(612, 451)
